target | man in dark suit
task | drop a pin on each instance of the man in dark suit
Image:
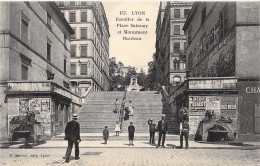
(151, 130)
(162, 128)
(72, 134)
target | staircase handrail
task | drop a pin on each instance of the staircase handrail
(121, 115)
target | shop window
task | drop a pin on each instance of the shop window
(83, 50)
(73, 69)
(24, 28)
(83, 69)
(176, 29)
(83, 16)
(177, 13)
(223, 18)
(73, 50)
(186, 12)
(83, 33)
(73, 17)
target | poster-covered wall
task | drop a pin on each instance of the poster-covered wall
(223, 106)
(40, 106)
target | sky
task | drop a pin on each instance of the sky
(135, 53)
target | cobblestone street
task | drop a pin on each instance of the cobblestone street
(131, 157)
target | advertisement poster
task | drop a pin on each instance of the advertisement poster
(228, 107)
(213, 103)
(23, 106)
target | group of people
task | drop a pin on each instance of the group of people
(72, 133)
(128, 111)
(162, 129)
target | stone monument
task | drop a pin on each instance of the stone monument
(133, 86)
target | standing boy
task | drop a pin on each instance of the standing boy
(131, 132)
(105, 134)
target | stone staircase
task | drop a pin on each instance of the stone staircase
(147, 105)
(97, 112)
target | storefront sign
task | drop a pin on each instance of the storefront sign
(252, 89)
(213, 84)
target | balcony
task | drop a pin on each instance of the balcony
(45, 87)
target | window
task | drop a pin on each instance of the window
(61, 3)
(177, 13)
(83, 16)
(73, 69)
(48, 52)
(73, 17)
(177, 79)
(83, 69)
(83, 3)
(203, 15)
(223, 22)
(24, 72)
(73, 50)
(83, 50)
(24, 29)
(74, 35)
(72, 3)
(176, 29)
(83, 33)
(65, 65)
(65, 40)
(189, 34)
(49, 20)
(185, 45)
(176, 64)
(176, 47)
(186, 12)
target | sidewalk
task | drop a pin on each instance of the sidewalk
(139, 144)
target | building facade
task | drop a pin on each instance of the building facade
(170, 43)
(89, 46)
(223, 41)
(35, 68)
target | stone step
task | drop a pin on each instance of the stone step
(122, 136)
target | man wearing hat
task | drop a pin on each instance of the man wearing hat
(151, 130)
(72, 134)
(162, 128)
